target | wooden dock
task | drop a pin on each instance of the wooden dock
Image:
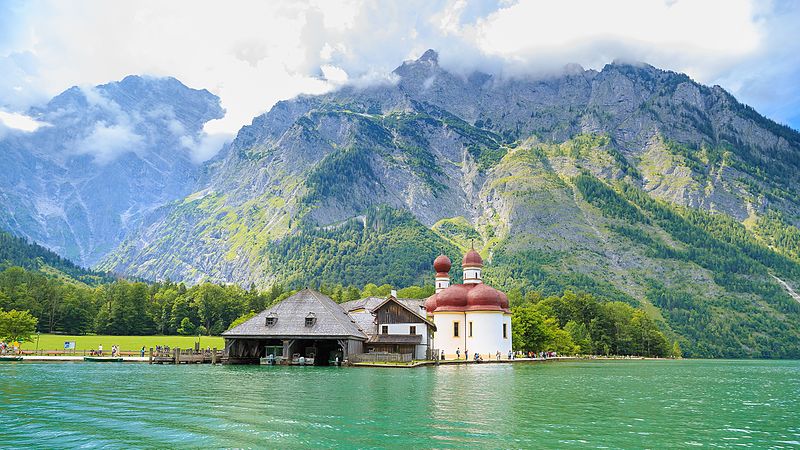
(185, 356)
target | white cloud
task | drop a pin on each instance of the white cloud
(19, 121)
(107, 141)
(205, 146)
(254, 53)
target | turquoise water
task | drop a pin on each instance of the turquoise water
(615, 404)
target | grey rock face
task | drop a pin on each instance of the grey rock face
(417, 145)
(108, 156)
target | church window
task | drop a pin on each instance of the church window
(455, 329)
(385, 329)
(505, 331)
(412, 330)
(470, 329)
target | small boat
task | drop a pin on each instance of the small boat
(10, 358)
(102, 359)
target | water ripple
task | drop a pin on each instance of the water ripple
(652, 404)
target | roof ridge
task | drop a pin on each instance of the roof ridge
(335, 313)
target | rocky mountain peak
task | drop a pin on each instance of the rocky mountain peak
(430, 56)
(111, 153)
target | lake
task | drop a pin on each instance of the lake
(578, 404)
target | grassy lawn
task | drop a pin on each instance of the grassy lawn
(126, 343)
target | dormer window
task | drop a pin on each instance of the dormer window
(271, 319)
(311, 319)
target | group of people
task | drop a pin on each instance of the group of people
(477, 357)
(115, 351)
(542, 355)
(6, 348)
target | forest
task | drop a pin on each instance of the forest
(570, 323)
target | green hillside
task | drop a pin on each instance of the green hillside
(15, 251)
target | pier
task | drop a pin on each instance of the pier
(185, 356)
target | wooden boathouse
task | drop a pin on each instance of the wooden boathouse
(308, 324)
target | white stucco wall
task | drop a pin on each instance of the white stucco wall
(443, 336)
(472, 276)
(487, 333)
(420, 351)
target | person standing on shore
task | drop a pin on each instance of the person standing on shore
(100, 350)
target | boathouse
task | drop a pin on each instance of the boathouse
(308, 324)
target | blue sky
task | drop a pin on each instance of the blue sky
(253, 54)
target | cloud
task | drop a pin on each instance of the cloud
(19, 122)
(108, 141)
(206, 145)
(257, 53)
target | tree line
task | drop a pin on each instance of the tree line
(569, 323)
(125, 307)
(578, 323)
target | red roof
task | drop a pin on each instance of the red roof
(442, 264)
(472, 259)
(467, 297)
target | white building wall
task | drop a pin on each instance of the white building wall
(507, 321)
(472, 276)
(487, 333)
(443, 338)
(442, 284)
(420, 351)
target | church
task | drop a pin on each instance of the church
(470, 317)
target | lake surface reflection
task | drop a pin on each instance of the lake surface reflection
(614, 404)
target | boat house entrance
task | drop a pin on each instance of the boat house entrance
(306, 328)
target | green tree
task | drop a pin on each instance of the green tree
(17, 325)
(416, 292)
(560, 340)
(580, 336)
(242, 319)
(676, 350)
(528, 329)
(187, 328)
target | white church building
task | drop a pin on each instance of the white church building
(471, 317)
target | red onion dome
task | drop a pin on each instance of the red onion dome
(472, 259)
(503, 300)
(484, 298)
(442, 264)
(454, 298)
(430, 303)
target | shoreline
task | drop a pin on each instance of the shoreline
(45, 358)
(452, 362)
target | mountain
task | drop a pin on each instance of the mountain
(15, 251)
(632, 183)
(107, 156)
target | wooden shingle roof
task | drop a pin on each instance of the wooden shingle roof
(330, 320)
